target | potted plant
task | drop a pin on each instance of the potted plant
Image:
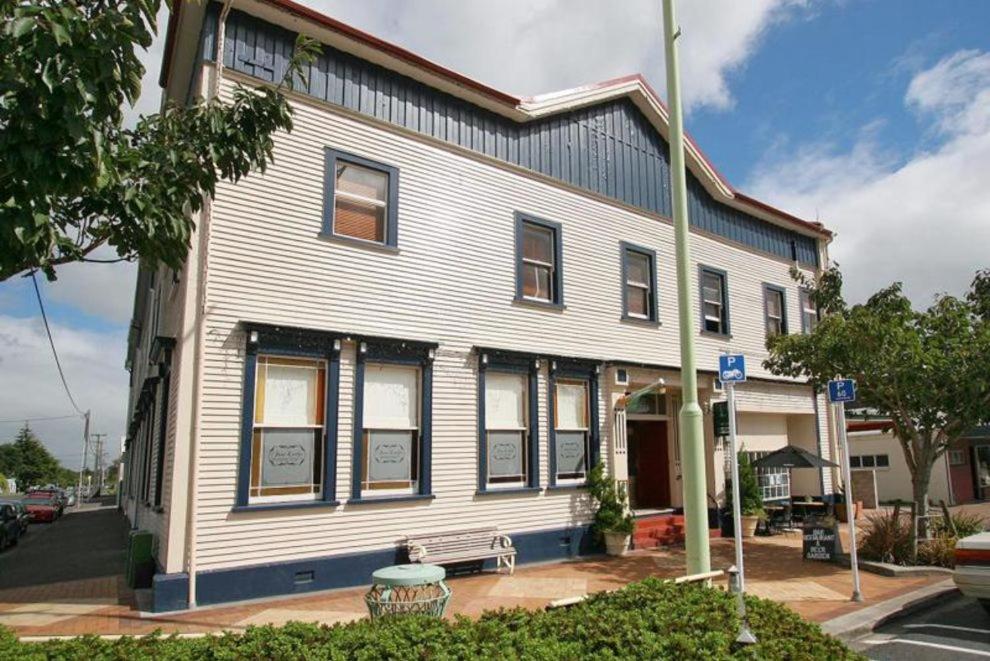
(750, 500)
(613, 521)
(840, 506)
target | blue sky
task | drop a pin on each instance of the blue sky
(873, 115)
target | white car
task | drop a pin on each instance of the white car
(972, 573)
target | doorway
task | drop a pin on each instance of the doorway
(649, 464)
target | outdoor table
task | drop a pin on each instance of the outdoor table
(408, 589)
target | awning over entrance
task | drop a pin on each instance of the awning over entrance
(791, 456)
(627, 401)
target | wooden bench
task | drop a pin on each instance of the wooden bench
(463, 546)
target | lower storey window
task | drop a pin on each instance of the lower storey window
(506, 428)
(391, 429)
(775, 483)
(287, 451)
(571, 429)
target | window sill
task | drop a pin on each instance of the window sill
(513, 491)
(297, 505)
(716, 336)
(371, 500)
(568, 487)
(358, 243)
(640, 321)
(540, 305)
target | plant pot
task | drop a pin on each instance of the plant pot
(840, 511)
(749, 524)
(616, 543)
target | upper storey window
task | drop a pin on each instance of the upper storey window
(714, 301)
(361, 199)
(775, 310)
(809, 312)
(538, 261)
(639, 282)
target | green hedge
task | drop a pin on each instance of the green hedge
(646, 620)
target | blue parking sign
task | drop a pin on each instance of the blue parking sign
(731, 368)
(841, 390)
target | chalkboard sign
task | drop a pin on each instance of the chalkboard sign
(821, 543)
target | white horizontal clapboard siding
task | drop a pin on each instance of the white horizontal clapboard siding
(452, 282)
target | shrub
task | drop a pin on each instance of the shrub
(612, 513)
(750, 498)
(965, 525)
(646, 620)
(886, 538)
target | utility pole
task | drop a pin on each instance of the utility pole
(691, 430)
(82, 468)
(98, 461)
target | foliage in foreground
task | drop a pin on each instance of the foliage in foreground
(73, 177)
(647, 620)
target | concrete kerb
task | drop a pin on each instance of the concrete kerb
(862, 622)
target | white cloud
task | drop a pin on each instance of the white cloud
(94, 369)
(531, 47)
(921, 219)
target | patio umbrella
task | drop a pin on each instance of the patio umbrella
(791, 456)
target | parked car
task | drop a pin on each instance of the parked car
(42, 506)
(10, 526)
(972, 572)
(55, 495)
(22, 514)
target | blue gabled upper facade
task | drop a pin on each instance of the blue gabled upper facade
(609, 148)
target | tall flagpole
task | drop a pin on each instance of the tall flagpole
(691, 433)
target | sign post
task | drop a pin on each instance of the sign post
(841, 391)
(732, 370)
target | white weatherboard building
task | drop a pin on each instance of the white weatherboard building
(419, 318)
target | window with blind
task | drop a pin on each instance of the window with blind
(361, 199)
(639, 282)
(775, 312)
(571, 429)
(714, 302)
(391, 436)
(287, 450)
(538, 261)
(506, 429)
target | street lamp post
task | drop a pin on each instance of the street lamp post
(691, 430)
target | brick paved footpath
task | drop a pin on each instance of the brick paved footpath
(66, 579)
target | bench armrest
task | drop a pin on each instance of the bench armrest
(505, 541)
(416, 550)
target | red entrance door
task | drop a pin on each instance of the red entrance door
(652, 466)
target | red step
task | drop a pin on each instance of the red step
(658, 530)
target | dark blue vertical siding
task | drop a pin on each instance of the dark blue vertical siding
(610, 149)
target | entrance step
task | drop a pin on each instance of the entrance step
(658, 530)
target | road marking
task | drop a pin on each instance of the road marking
(921, 643)
(951, 627)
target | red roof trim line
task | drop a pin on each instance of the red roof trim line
(869, 425)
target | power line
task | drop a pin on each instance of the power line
(42, 419)
(51, 341)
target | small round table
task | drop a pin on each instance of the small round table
(408, 589)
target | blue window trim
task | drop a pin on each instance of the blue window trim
(521, 220)
(331, 156)
(517, 364)
(767, 288)
(394, 352)
(654, 302)
(279, 341)
(575, 371)
(726, 327)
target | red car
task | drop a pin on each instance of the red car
(41, 506)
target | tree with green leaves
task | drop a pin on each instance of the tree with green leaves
(72, 177)
(926, 370)
(35, 464)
